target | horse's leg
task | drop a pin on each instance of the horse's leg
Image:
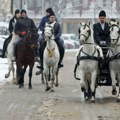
(113, 77)
(45, 72)
(30, 76)
(52, 71)
(17, 77)
(82, 81)
(10, 68)
(118, 79)
(92, 86)
(13, 71)
(20, 77)
(86, 90)
(56, 84)
(24, 70)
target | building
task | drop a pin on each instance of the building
(87, 10)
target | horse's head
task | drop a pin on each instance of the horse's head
(49, 31)
(114, 31)
(84, 32)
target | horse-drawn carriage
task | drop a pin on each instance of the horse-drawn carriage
(104, 78)
(98, 65)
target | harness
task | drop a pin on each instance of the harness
(86, 37)
(87, 57)
(50, 52)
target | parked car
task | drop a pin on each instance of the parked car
(73, 38)
(4, 33)
(67, 43)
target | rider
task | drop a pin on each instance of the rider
(57, 34)
(24, 25)
(101, 30)
(11, 29)
(102, 37)
(45, 19)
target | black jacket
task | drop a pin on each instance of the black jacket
(12, 24)
(25, 24)
(101, 35)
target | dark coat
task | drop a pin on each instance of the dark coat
(57, 31)
(43, 21)
(101, 35)
(12, 24)
(25, 24)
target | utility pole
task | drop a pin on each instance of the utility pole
(11, 6)
(21, 2)
(43, 7)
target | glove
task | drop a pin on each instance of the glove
(102, 42)
(23, 33)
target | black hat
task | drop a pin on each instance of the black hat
(17, 11)
(102, 13)
(23, 11)
(52, 14)
(48, 10)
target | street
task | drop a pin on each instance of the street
(66, 103)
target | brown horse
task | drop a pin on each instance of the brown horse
(25, 56)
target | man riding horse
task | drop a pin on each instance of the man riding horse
(57, 34)
(11, 29)
(25, 25)
(45, 20)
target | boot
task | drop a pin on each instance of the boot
(60, 65)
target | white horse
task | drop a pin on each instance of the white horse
(51, 57)
(114, 54)
(10, 58)
(87, 57)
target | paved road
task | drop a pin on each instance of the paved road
(66, 103)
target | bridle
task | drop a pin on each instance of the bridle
(89, 34)
(49, 37)
(117, 37)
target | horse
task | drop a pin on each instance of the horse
(25, 56)
(51, 57)
(10, 58)
(87, 61)
(114, 57)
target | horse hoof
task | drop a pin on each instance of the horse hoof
(92, 101)
(56, 85)
(83, 89)
(86, 99)
(114, 92)
(52, 90)
(30, 87)
(47, 89)
(6, 76)
(38, 73)
(43, 82)
(118, 100)
(21, 85)
(15, 83)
